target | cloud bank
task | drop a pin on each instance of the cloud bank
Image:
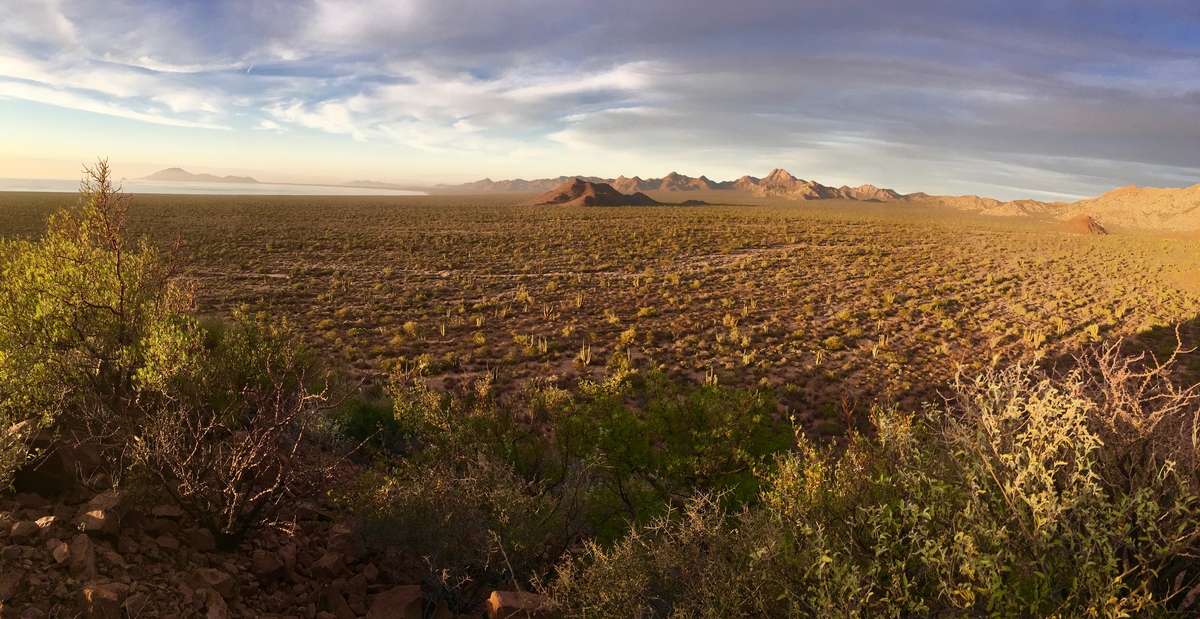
(1011, 98)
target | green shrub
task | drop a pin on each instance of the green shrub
(995, 505)
(495, 489)
(74, 308)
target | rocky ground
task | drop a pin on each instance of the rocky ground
(102, 556)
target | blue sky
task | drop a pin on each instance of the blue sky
(1011, 99)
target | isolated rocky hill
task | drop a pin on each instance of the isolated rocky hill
(580, 192)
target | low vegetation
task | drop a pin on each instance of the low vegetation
(673, 463)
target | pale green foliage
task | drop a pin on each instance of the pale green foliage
(74, 306)
(995, 505)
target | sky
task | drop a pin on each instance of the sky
(1050, 99)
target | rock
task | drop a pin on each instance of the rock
(343, 540)
(100, 515)
(329, 565)
(46, 523)
(59, 550)
(23, 531)
(370, 572)
(97, 521)
(9, 554)
(82, 557)
(216, 580)
(504, 604)
(332, 601)
(402, 602)
(31, 500)
(266, 565)
(10, 583)
(200, 539)
(167, 542)
(126, 545)
(171, 512)
(216, 606)
(103, 601)
(135, 605)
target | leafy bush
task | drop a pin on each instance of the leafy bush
(494, 489)
(997, 504)
(95, 347)
(225, 415)
(74, 308)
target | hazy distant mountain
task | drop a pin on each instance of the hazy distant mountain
(581, 192)
(377, 185)
(517, 185)
(182, 175)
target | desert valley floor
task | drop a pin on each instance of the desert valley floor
(835, 303)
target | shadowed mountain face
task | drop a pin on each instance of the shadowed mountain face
(580, 192)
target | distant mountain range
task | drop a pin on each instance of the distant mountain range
(182, 175)
(1131, 207)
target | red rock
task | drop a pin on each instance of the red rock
(216, 580)
(103, 601)
(82, 557)
(172, 512)
(332, 601)
(127, 546)
(10, 583)
(59, 550)
(29, 500)
(266, 565)
(403, 602)
(166, 542)
(505, 604)
(23, 531)
(216, 606)
(200, 539)
(135, 605)
(46, 523)
(329, 565)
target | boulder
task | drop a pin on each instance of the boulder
(402, 602)
(505, 604)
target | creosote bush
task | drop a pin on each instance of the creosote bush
(97, 349)
(494, 489)
(1001, 503)
(74, 307)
